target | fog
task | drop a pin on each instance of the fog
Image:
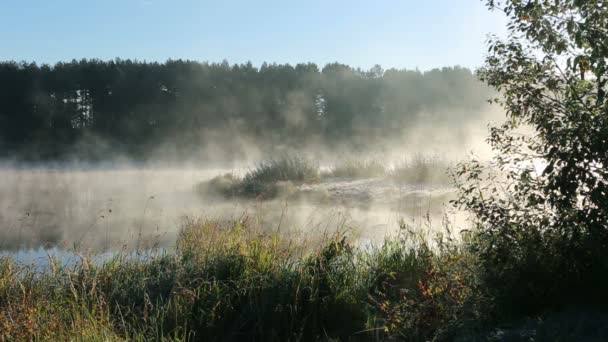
(115, 164)
(110, 206)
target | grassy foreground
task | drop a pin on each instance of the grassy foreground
(231, 282)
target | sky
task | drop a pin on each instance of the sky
(393, 33)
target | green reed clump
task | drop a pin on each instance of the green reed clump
(268, 179)
(232, 283)
(282, 176)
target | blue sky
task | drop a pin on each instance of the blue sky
(393, 33)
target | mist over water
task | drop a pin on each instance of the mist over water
(99, 209)
(61, 207)
(124, 206)
(109, 171)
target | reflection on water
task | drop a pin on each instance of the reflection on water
(40, 259)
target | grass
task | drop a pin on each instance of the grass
(282, 176)
(415, 170)
(421, 170)
(494, 284)
(271, 177)
(358, 168)
(268, 179)
(231, 282)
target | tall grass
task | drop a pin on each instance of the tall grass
(358, 168)
(282, 176)
(233, 283)
(267, 179)
(263, 179)
(421, 170)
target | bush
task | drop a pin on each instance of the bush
(421, 291)
(542, 222)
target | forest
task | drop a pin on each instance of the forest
(506, 248)
(92, 109)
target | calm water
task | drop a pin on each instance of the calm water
(102, 211)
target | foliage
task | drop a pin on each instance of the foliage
(263, 179)
(542, 222)
(92, 109)
(268, 179)
(232, 282)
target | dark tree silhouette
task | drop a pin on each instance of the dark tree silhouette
(90, 108)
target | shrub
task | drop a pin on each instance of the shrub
(542, 219)
(420, 292)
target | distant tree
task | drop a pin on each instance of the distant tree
(135, 107)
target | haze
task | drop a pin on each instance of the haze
(119, 119)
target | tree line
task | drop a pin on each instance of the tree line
(99, 107)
